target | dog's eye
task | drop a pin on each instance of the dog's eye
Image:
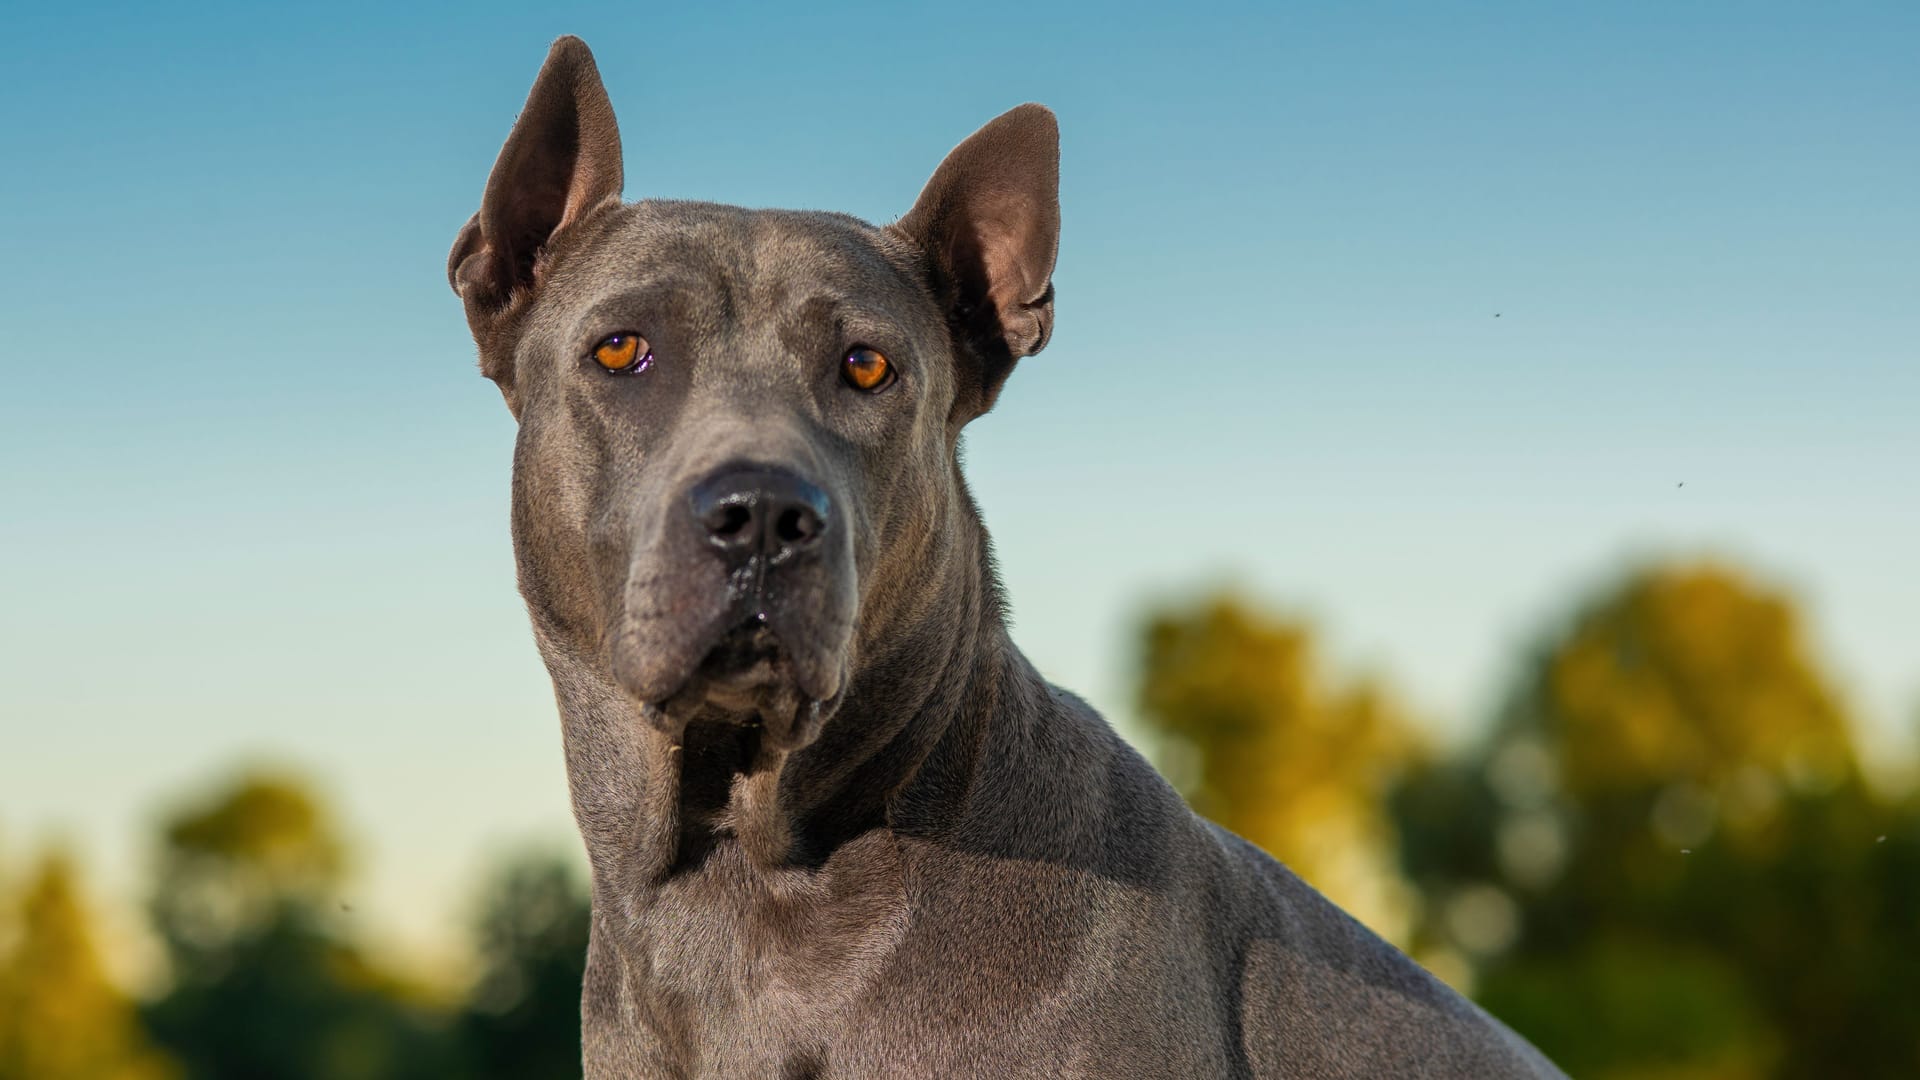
(623, 354)
(866, 369)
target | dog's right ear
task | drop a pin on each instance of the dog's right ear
(560, 164)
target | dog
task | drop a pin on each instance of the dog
(838, 826)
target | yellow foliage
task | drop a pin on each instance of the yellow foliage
(267, 822)
(1277, 755)
(60, 1017)
(1692, 680)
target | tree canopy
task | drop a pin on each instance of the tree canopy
(1659, 859)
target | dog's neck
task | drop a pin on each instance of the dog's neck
(901, 751)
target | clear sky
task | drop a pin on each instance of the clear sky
(1414, 318)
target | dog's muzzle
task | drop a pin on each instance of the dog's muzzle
(748, 617)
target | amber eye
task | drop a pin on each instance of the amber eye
(866, 369)
(623, 353)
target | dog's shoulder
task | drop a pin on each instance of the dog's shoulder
(1319, 994)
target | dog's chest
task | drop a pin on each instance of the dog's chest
(744, 968)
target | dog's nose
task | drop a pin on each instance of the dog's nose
(760, 512)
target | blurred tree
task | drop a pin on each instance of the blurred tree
(264, 984)
(1258, 740)
(1663, 861)
(60, 1017)
(262, 851)
(522, 1020)
(1689, 676)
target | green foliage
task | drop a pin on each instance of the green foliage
(522, 1021)
(1660, 861)
(264, 986)
(265, 982)
(1671, 808)
(258, 858)
(1621, 1008)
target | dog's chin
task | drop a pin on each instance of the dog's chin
(749, 678)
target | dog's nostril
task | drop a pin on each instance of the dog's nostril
(795, 525)
(732, 520)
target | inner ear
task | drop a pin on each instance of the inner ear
(1007, 256)
(560, 163)
(989, 220)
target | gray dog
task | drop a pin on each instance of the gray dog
(838, 825)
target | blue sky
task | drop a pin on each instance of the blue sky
(255, 492)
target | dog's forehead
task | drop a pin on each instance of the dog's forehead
(757, 257)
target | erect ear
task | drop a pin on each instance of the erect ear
(560, 164)
(990, 222)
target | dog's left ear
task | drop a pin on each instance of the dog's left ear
(989, 221)
(560, 164)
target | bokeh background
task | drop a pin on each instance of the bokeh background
(1477, 461)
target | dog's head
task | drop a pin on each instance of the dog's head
(738, 427)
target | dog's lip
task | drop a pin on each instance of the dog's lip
(746, 646)
(747, 678)
(745, 661)
(748, 642)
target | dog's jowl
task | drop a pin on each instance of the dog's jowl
(838, 825)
